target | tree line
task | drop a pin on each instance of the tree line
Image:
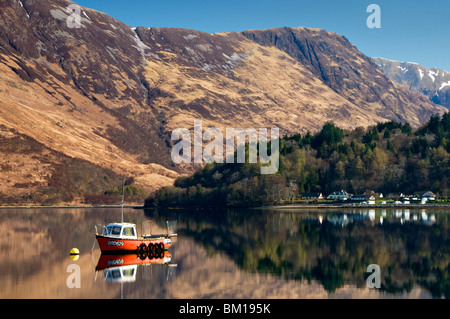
(389, 157)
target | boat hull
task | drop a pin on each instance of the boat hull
(113, 245)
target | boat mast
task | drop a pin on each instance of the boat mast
(123, 195)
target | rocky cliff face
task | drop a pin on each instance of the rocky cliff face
(434, 83)
(110, 95)
(347, 71)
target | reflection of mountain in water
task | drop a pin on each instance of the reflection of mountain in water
(411, 247)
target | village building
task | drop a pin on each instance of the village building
(312, 196)
(339, 195)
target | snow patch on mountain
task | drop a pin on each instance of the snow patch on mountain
(189, 36)
(421, 73)
(444, 85)
(403, 69)
(432, 75)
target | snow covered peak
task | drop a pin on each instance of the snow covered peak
(433, 82)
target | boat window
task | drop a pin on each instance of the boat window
(128, 231)
(112, 230)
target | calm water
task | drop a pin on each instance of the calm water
(231, 254)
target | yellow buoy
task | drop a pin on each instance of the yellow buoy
(74, 251)
(74, 257)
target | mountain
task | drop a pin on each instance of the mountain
(434, 82)
(347, 71)
(99, 102)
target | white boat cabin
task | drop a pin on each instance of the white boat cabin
(120, 230)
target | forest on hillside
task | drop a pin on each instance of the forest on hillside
(387, 158)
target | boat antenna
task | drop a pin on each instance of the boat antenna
(123, 195)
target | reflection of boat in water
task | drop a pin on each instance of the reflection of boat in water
(109, 261)
(122, 237)
(121, 274)
(123, 268)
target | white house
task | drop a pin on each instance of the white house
(428, 195)
(339, 195)
(364, 198)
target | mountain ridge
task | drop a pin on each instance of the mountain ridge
(111, 94)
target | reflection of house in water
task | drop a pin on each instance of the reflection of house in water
(354, 216)
(370, 215)
(428, 219)
(406, 216)
(340, 220)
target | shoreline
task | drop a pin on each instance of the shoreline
(359, 206)
(280, 207)
(72, 207)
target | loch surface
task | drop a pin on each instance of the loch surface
(228, 253)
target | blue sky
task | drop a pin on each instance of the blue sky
(413, 30)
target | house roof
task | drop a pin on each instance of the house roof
(339, 193)
(428, 192)
(423, 192)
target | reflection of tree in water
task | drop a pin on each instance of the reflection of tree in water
(297, 246)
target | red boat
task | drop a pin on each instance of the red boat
(122, 237)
